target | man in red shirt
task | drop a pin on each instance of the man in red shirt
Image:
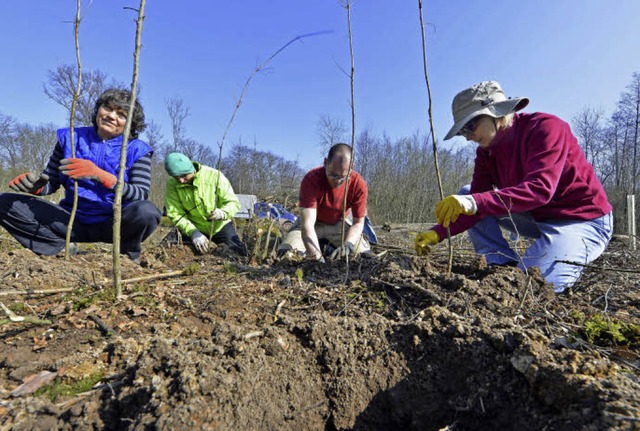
(322, 201)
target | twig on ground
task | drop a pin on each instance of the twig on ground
(79, 397)
(528, 287)
(36, 292)
(27, 319)
(348, 303)
(106, 329)
(12, 316)
(276, 314)
(411, 285)
(253, 334)
(153, 277)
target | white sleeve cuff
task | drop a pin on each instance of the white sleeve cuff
(468, 203)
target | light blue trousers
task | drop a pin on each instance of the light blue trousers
(556, 242)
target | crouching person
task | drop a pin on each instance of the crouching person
(530, 178)
(322, 193)
(201, 203)
(41, 226)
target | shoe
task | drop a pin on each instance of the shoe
(73, 250)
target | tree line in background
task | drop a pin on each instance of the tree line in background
(402, 182)
(611, 145)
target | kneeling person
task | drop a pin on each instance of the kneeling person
(322, 194)
(200, 202)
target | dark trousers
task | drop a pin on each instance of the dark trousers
(227, 236)
(41, 226)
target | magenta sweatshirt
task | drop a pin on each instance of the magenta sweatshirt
(536, 165)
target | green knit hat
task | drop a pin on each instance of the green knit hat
(177, 164)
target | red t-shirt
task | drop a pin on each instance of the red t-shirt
(315, 192)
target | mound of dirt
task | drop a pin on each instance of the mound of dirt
(389, 342)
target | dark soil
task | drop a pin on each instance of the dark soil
(393, 343)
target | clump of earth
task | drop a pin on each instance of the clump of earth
(394, 341)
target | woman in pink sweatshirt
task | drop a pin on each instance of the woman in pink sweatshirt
(531, 178)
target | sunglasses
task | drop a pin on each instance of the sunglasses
(470, 127)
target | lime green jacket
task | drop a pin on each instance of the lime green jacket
(189, 205)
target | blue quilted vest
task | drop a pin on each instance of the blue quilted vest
(95, 202)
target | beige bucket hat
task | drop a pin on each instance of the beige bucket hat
(485, 98)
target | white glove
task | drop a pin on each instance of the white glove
(217, 214)
(200, 241)
(345, 249)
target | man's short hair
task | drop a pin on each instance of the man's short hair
(339, 148)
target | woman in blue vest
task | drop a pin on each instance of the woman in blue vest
(41, 226)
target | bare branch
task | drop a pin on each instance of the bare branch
(117, 204)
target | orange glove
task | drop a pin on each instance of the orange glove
(29, 183)
(86, 169)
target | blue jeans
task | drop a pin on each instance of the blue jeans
(556, 241)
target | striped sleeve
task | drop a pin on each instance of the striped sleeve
(139, 185)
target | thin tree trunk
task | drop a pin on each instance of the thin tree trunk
(74, 104)
(353, 129)
(117, 204)
(431, 128)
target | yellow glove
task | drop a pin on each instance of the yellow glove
(425, 240)
(449, 208)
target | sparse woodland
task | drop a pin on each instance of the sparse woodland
(400, 173)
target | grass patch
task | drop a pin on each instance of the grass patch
(603, 331)
(191, 269)
(66, 387)
(144, 295)
(299, 274)
(18, 307)
(230, 268)
(86, 296)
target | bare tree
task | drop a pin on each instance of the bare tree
(198, 151)
(629, 109)
(33, 144)
(178, 113)
(586, 125)
(9, 154)
(153, 135)
(403, 187)
(261, 173)
(62, 83)
(330, 131)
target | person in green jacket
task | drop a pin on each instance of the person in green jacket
(201, 203)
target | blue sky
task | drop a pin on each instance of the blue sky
(562, 54)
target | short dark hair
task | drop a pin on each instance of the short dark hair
(339, 148)
(120, 98)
